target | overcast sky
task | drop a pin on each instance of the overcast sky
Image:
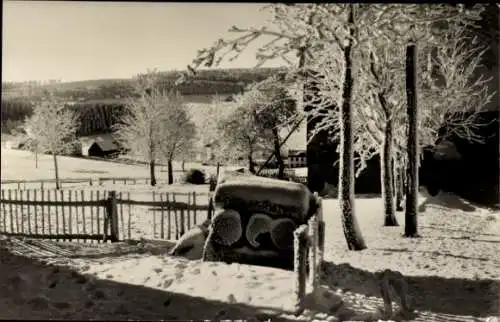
(71, 40)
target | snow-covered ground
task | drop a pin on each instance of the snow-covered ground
(452, 272)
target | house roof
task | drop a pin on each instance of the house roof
(106, 145)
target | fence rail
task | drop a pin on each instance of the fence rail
(99, 215)
(22, 184)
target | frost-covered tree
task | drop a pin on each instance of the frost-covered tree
(52, 128)
(241, 133)
(309, 30)
(156, 124)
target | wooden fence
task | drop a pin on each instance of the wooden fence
(84, 215)
(49, 183)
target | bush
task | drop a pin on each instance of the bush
(195, 176)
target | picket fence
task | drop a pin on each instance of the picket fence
(93, 215)
(49, 183)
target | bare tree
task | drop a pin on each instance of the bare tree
(52, 126)
(156, 124)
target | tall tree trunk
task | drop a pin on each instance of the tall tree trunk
(277, 154)
(170, 171)
(56, 170)
(399, 184)
(411, 211)
(352, 231)
(183, 165)
(386, 176)
(36, 159)
(152, 172)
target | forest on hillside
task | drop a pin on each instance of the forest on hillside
(205, 82)
(99, 101)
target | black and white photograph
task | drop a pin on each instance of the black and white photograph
(247, 161)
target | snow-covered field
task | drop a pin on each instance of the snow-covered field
(20, 165)
(452, 272)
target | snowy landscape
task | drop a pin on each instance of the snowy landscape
(145, 167)
(452, 272)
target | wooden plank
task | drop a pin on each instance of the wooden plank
(98, 215)
(57, 212)
(154, 216)
(84, 220)
(195, 218)
(21, 193)
(42, 195)
(17, 212)
(56, 203)
(188, 214)
(4, 212)
(157, 204)
(121, 216)
(36, 212)
(28, 211)
(91, 213)
(175, 218)
(49, 215)
(162, 232)
(169, 221)
(183, 222)
(70, 219)
(129, 219)
(61, 194)
(58, 236)
(10, 212)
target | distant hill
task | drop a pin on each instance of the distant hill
(206, 82)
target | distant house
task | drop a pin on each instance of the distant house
(103, 148)
(297, 158)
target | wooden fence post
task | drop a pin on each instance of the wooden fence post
(112, 217)
(300, 258)
(313, 252)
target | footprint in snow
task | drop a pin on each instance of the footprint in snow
(168, 283)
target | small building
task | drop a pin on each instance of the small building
(103, 148)
(297, 159)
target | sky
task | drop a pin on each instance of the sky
(72, 40)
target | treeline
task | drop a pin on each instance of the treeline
(205, 82)
(14, 111)
(92, 117)
(97, 118)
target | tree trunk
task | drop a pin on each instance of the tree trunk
(386, 176)
(251, 164)
(399, 185)
(277, 154)
(411, 210)
(56, 170)
(183, 166)
(36, 159)
(170, 171)
(352, 231)
(152, 172)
